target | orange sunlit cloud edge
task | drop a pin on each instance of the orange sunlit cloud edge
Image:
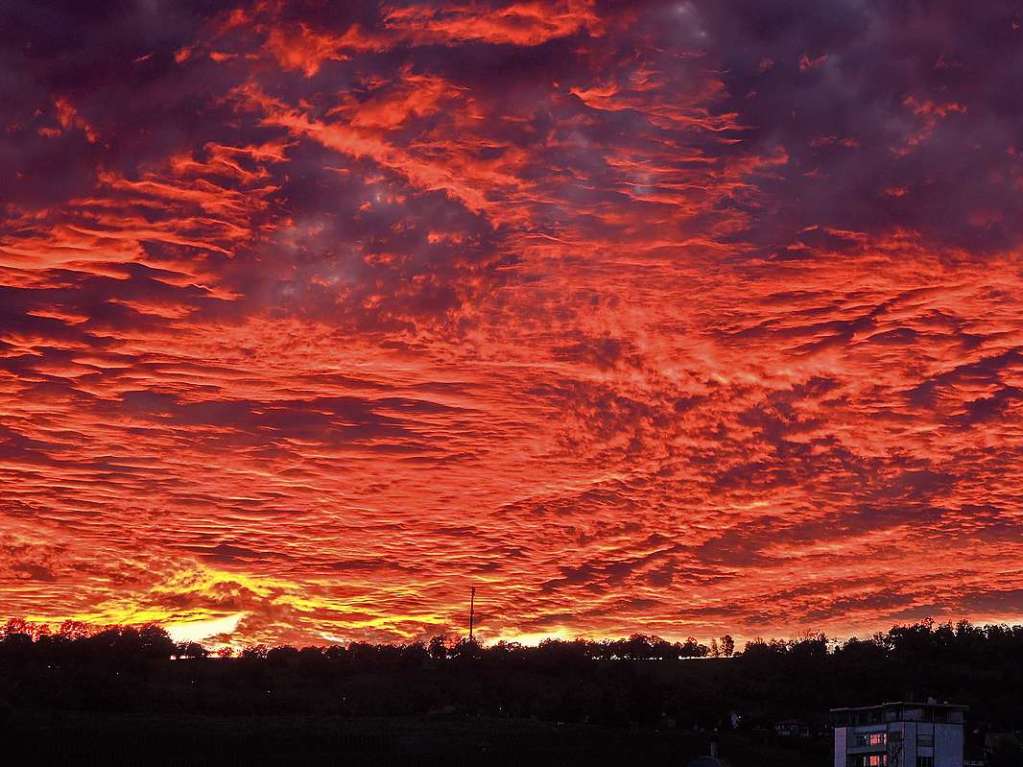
(682, 318)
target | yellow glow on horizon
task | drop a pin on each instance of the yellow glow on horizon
(196, 631)
(532, 638)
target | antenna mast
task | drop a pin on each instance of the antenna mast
(472, 610)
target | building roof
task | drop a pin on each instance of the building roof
(912, 704)
(886, 713)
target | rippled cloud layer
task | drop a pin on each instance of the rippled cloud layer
(681, 318)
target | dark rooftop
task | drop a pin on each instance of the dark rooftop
(904, 703)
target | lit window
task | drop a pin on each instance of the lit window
(868, 760)
(867, 739)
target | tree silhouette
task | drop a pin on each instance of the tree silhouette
(191, 651)
(727, 646)
(642, 680)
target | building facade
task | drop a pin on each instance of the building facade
(899, 735)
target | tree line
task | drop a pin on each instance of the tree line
(640, 680)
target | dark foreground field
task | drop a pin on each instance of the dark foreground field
(121, 739)
(132, 696)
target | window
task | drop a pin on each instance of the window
(867, 739)
(868, 760)
(925, 739)
(925, 761)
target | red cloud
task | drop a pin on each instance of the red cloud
(319, 319)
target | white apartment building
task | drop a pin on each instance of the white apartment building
(899, 735)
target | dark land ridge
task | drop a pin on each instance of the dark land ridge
(130, 695)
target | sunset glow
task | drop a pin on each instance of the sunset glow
(684, 318)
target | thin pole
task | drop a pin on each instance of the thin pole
(472, 610)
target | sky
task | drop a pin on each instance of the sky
(682, 318)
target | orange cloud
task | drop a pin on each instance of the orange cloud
(523, 23)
